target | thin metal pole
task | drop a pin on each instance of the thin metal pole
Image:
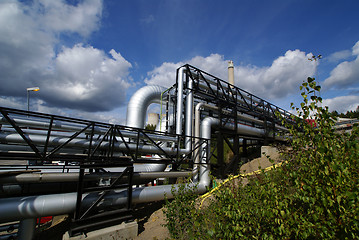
(28, 100)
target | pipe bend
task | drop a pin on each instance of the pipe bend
(139, 102)
(206, 125)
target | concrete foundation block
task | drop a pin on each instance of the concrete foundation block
(118, 232)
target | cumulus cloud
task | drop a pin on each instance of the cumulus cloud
(345, 74)
(86, 78)
(165, 75)
(58, 16)
(32, 54)
(342, 104)
(272, 82)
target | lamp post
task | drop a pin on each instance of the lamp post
(28, 90)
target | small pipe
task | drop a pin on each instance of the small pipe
(161, 105)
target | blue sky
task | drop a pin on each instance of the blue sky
(89, 57)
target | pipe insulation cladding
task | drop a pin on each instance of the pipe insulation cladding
(138, 104)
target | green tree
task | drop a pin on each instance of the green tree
(314, 195)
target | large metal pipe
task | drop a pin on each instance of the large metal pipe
(73, 177)
(138, 104)
(57, 204)
(19, 208)
(180, 83)
(83, 143)
(243, 98)
(189, 116)
(69, 129)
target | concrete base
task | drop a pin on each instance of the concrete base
(117, 232)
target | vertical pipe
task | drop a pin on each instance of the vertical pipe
(206, 126)
(189, 115)
(179, 101)
(197, 135)
(27, 229)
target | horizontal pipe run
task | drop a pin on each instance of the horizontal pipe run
(19, 208)
(98, 133)
(246, 96)
(73, 177)
(83, 143)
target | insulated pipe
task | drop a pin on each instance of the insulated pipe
(197, 133)
(243, 129)
(73, 177)
(205, 167)
(19, 208)
(138, 104)
(97, 130)
(249, 97)
(180, 82)
(57, 204)
(239, 100)
(189, 116)
(83, 143)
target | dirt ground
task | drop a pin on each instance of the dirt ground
(151, 219)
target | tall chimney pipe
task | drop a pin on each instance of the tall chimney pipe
(230, 72)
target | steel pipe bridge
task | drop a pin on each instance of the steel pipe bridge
(96, 171)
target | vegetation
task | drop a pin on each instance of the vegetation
(348, 114)
(313, 195)
(150, 127)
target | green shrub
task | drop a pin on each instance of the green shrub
(315, 195)
(180, 211)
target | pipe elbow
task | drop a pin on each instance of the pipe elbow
(206, 126)
(139, 102)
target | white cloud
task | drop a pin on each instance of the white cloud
(276, 81)
(342, 104)
(345, 74)
(338, 56)
(59, 16)
(165, 75)
(86, 78)
(77, 77)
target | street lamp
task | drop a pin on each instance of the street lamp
(28, 90)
